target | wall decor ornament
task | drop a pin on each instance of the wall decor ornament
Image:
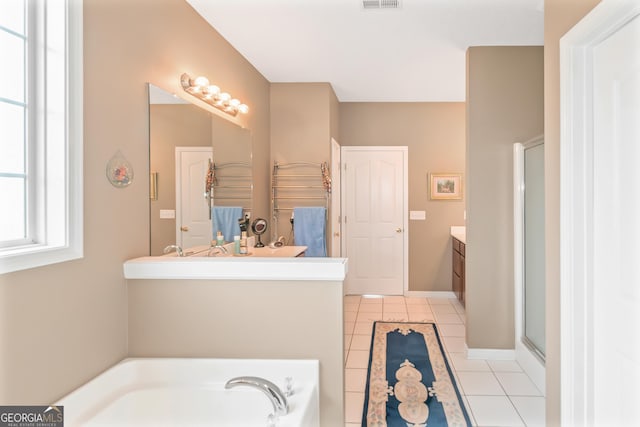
(119, 171)
(445, 186)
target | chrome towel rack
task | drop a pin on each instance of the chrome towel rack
(306, 182)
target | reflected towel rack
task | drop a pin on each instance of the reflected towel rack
(230, 183)
(299, 185)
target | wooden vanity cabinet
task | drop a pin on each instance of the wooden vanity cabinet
(458, 269)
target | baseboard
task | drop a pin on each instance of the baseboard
(491, 354)
(429, 294)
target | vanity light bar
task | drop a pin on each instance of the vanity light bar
(211, 94)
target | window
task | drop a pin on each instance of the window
(40, 132)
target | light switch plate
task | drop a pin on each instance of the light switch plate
(167, 214)
(417, 215)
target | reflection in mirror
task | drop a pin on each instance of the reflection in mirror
(183, 138)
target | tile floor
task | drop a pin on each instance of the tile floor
(496, 393)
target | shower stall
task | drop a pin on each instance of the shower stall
(529, 260)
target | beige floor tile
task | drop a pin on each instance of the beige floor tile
(370, 301)
(347, 341)
(394, 299)
(348, 327)
(451, 330)
(415, 301)
(350, 316)
(352, 299)
(439, 301)
(448, 318)
(353, 403)
(363, 328)
(394, 307)
(361, 342)
(370, 308)
(398, 317)
(351, 307)
(364, 316)
(358, 359)
(355, 380)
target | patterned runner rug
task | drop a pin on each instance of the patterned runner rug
(409, 382)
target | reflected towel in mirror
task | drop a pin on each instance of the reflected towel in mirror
(309, 228)
(225, 220)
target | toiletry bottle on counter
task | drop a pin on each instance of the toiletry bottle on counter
(219, 239)
(243, 244)
(236, 245)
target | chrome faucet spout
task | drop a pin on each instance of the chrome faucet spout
(273, 392)
(221, 249)
(177, 248)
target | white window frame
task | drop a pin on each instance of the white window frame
(56, 187)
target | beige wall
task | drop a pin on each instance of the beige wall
(279, 320)
(302, 121)
(171, 126)
(559, 17)
(62, 324)
(434, 133)
(504, 106)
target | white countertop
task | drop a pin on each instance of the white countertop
(236, 268)
(460, 233)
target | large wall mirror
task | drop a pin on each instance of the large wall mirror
(187, 143)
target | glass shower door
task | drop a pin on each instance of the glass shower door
(534, 253)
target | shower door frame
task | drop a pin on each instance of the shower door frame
(527, 356)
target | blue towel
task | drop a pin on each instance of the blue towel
(309, 225)
(225, 219)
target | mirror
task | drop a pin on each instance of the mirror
(175, 124)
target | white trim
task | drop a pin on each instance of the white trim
(576, 204)
(64, 239)
(430, 294)
(523, 355)
(490, 354)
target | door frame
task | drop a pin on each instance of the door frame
(576, 204)
(336, 202)
(405, 204)
(178, 178)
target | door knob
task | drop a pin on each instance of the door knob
(336, 234)
(184, 228)
(398, 230)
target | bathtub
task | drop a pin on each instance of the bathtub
(190, 392)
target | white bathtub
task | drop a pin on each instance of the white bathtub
(190, 392)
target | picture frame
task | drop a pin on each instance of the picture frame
(445, 186)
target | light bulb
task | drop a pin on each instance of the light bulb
(201, 81)
(243, 108)
(224, 97)
(234, 102)
(213, 90)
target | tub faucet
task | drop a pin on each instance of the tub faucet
(275, 395)
(177, 248)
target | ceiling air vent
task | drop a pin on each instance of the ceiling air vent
(381, 4)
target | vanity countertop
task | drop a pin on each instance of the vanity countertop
(460, 233)
(236, 268)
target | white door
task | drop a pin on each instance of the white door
(374, 208)
(600, 218)
(616, 310)
(193, 213)
(335, 200)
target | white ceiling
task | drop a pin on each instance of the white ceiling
(414, 53)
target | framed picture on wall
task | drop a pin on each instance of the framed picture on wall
(445, 186)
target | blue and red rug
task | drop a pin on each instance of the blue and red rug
(409, 382)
